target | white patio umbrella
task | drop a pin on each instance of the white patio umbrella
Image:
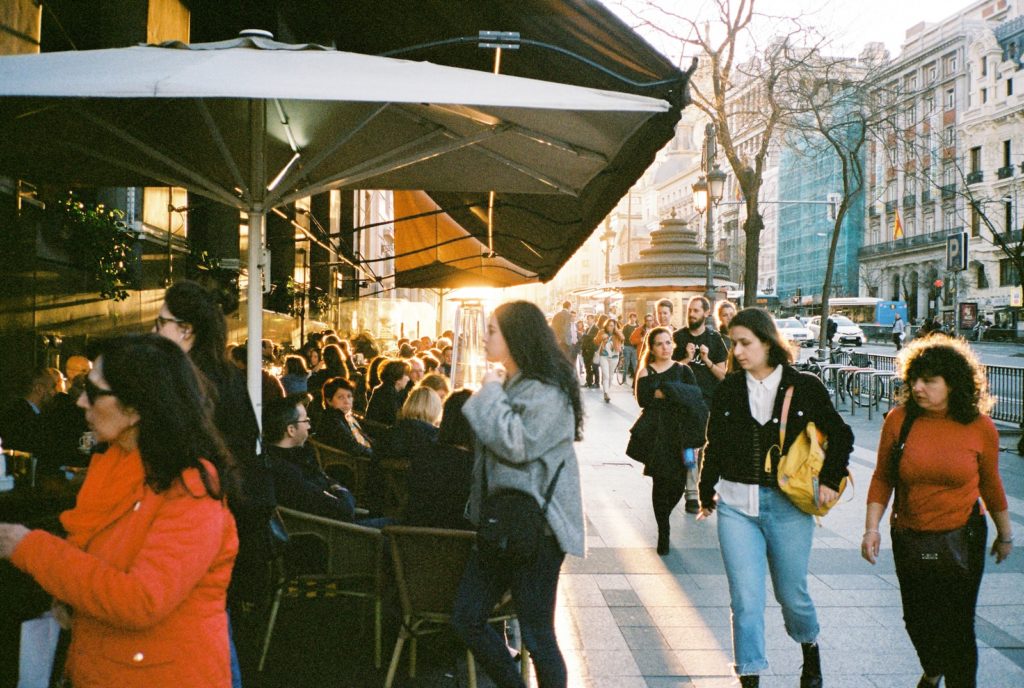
(254, 124)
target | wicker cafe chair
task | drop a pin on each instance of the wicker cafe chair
(428, 565)
(355, 568)
(357, 466)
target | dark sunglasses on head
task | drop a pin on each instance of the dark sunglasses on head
(161, 321)
(94, 392)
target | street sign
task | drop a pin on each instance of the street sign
(956, 251)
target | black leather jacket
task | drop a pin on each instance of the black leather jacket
(729, 451)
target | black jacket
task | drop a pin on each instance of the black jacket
(668, 425)
(300, 484)
(384, 405)
(729, 451)
(439, 482)
(333, 429)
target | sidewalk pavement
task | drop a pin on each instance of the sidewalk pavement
(628, 618)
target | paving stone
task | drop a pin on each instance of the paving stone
(621, 598)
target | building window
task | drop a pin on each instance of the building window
(950, 98)
(976, 159)
(948, 137)
(980, 277)
(984, 95)
(929, 223)
(975, 220)
(951, 64)
(929, 105)
(984, 66)
(1009, 86)
(948, 175)
(1007, 216)
(1007, 153)
(933, 73)
(949, 218)
(1008, 276)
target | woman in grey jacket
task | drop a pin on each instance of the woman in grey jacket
(525, 417)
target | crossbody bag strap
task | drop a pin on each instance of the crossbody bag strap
(551, 488)
(897, 455)
(782, 429)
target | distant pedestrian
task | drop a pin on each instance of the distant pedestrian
(629, 362)
(561, 324)
(899, 332)
(939, 456)
(831, 327)
(724, 312)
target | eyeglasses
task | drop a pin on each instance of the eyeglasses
(94, 392)
(301, 420)
(161, 321)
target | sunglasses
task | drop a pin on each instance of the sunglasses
(93, 392)
(161, 321)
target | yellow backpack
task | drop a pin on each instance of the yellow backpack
(800, 467)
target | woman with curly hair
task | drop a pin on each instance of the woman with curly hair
(939, 453)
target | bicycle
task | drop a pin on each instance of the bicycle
(620, 371)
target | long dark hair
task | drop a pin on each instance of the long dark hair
(645, 359)
(153, 376)
(762, 325)
(532, 346)
(193, 303)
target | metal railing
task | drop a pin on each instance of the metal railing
(1005, 383)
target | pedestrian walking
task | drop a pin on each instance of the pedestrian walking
(724, 312)
(588, 351)
(609, 347)
(670, 428)
(629, 357)
(759, 529)
(561, 324)
(899, 332)
(939, 453)
(700, 346)
(525, 418)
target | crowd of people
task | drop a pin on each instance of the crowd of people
(166, 551)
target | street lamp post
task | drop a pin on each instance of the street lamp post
(707, 192)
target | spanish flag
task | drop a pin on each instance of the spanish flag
(897, 227)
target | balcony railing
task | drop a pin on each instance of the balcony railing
(926, 197)
(906, 243)
(909, 201)
(948, 191)
(975, 176)
(1005, 172)
(890, 206)
(873, 210)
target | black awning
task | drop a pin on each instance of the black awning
(535, 232)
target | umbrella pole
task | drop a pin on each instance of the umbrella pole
(254, 310)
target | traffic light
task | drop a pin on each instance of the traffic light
(938, 284)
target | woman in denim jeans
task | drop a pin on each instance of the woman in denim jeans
(759, 529)
(525, 418)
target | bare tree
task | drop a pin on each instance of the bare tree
(741, 97)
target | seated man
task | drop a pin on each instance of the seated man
(298, 481)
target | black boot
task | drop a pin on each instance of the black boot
(750, 681)
(663, 541)
(810, 677)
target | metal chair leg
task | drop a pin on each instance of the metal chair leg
(270, 626)
(412, 657)
(471, 669)
(395, 657)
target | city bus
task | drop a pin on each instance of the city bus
(868, 310)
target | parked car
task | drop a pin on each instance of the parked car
(794, 330)
(847, 332)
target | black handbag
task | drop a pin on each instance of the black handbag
(947, 549)
(511, 526)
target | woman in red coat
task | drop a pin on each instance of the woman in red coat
(146, 564)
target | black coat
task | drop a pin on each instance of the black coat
(384, 405)
(333, 430)
(406, 440)
(439, 482)
(729, 451)
(667, 426)
(300, 484)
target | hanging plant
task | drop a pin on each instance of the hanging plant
(99, 242)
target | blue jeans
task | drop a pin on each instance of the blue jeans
(630, 362)
(534, 589)
(779, 540)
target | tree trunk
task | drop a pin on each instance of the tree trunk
(752, 227)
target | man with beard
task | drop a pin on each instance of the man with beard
(701, 348)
